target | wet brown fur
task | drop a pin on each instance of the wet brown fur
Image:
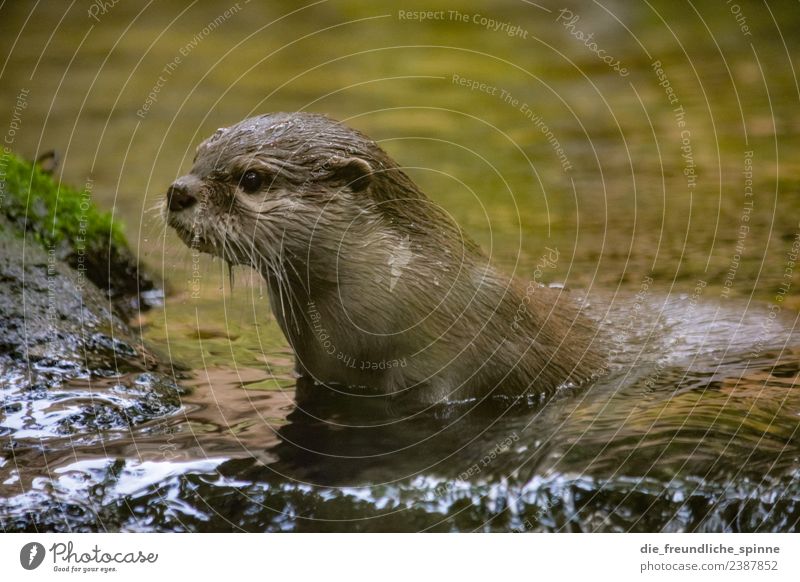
(371, 282)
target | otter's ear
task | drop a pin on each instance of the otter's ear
(354, 173)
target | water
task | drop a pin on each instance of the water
(693, 428)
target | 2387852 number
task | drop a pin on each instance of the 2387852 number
(752, 565)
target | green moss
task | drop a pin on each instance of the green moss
(56, 214)
(65, 220)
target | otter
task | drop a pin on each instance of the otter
(372, 283)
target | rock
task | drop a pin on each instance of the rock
(66, 223)
(69, 364)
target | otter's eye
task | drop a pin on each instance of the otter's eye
(251, 181)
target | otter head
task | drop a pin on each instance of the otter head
(260, 190)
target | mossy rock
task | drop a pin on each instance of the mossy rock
(67, 223)
(70, 366)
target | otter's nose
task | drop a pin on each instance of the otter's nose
(179, 198)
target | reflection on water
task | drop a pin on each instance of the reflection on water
(700, 436)
(695, 428)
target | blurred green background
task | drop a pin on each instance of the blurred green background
(622, 210)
